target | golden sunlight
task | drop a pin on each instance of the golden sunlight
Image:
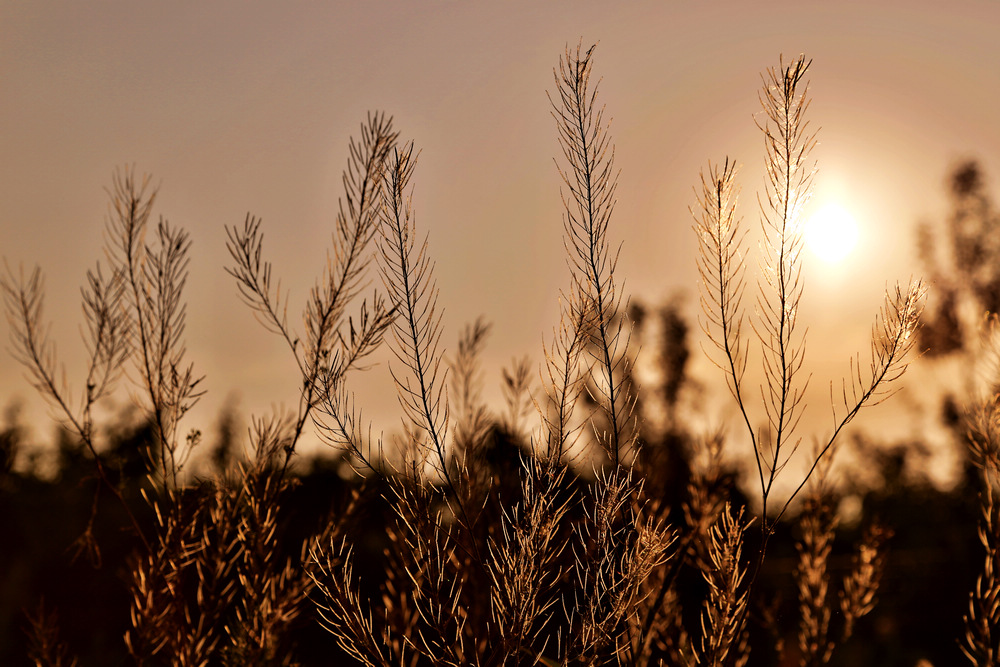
(831, 233)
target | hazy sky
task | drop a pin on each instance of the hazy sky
(238, 107)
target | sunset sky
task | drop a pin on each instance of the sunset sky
(239, 108)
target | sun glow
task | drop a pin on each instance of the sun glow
(831, 233)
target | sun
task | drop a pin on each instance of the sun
(831, 233)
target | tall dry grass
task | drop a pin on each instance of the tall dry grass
(486, 564)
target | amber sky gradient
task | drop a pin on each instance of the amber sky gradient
(240, 107)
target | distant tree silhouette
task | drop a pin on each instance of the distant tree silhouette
(963, 263)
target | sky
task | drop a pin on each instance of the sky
(248, 107)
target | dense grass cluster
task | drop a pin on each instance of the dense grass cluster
(561, 531)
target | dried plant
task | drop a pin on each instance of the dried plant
(474, 419)
(590, 182)
(563, 380)
(787, 143)
(155, 275)
(136, 313)
(818, 523)
(824, 624)
(344, 614)
(619, 547)
(524, 561)
(166, 620)
(430, 481)
(723, 271)
(857, 599)
(272, 588)
(216, 584)
(615, 587)
(211, 582)
(617, 552)
(46, 650)
(706, 497)
(723, 631)
(981, 643)
(441, 495)
(334, 342)
(517, 393)
(407, 273)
